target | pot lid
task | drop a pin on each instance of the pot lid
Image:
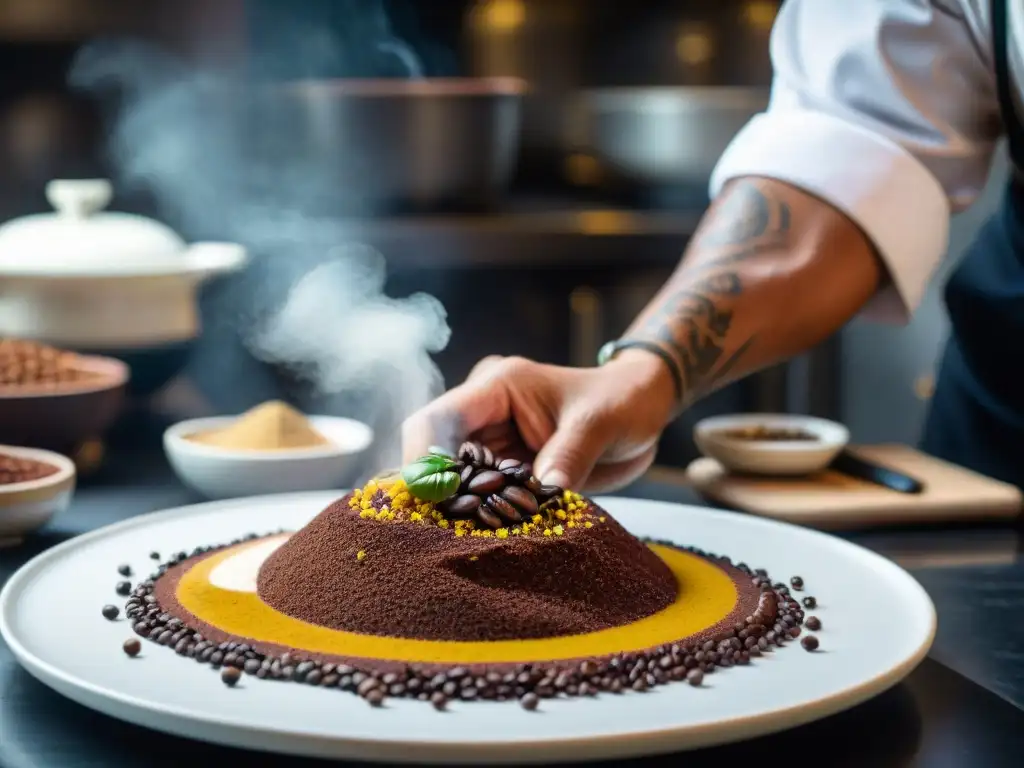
(80, 235)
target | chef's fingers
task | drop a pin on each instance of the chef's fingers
(611, 477)
(570, 455)
(483, 366)
(459, 412)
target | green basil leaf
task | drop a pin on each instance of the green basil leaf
(436, 486)
(425, 465)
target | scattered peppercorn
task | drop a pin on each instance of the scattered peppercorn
(810, 643)
(813, 623)
(230, 676)
(110, 612)
(797, 583)
(810, 602)
(132, 647)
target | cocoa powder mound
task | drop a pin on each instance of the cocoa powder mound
(423, 582)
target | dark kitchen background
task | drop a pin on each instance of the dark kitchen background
(628, 106)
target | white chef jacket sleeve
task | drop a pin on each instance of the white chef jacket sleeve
(887, 110)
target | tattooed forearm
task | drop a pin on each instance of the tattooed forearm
(693, 316)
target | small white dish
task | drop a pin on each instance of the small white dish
(221, 473)
(26, 507)
(771, 457)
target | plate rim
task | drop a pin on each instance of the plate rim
(175, 720)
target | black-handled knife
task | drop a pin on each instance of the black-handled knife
(853, 466)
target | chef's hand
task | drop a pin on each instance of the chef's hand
(590, 429)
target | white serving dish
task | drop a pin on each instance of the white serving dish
(26, 507)
(82, 277)
(771, 457)
(878, 624)
(220, 473)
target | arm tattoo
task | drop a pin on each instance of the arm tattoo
(693, 320)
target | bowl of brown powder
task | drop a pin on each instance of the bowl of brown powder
(271, 448)
(54, 399)
(34, 486)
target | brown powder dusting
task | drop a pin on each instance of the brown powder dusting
(28, 363)
(15, 469)
(268, 427)
(423, 582)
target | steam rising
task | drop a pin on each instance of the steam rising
(312, 300)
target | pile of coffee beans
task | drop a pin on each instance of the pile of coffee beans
(28, 363)
(496, 492)
(528, 684)
(14, 469)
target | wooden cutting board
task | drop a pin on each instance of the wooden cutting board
(834, 501)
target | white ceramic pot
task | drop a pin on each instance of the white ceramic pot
(82, 277)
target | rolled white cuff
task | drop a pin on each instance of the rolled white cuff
(891, 196)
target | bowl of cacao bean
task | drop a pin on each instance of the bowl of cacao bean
(35, 485)
(55, 399)
(777, 444)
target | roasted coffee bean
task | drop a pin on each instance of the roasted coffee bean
(124, 570)
(439, 700)
(525, 501)
(463, 506)
(486, 482)
(529, 702)
(465, 476)
(546, 492)
(369, 684)
(314, 677)
(471, 453)
(110, 612)
(487, 516)
(810, 643)
(794, 632)
(252, 666)
(123, 588)
(695, 677)
(375, 698)
(504, 509)
(813, 623)
(797, 583)
(509, 464)
(132, 647)
(533, 485)
(810, 602)
(488, 460)
(519, 475)
(230, 676)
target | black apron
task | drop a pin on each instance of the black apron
(976, 417)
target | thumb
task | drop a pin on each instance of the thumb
(570, 455)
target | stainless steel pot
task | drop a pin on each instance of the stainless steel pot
(662, 136)
(375, 145)
(542, 42)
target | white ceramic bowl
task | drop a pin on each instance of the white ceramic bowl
(220, 473)
(26, 507)
(771, 457)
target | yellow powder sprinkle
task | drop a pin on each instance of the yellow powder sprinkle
(272, 426)
(360, 555)
(502, 533)
(559, 530)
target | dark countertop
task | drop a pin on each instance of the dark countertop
(937, 717)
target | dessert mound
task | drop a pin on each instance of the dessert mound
(498, 557)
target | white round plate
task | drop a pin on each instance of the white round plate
(878, 625)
